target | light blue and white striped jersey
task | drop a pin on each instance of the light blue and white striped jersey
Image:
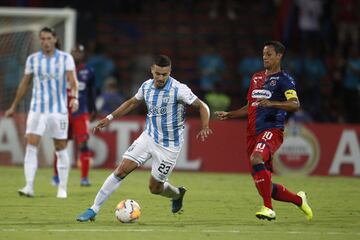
(166, 110)
(49, 81)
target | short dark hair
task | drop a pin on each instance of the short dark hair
(162, 61)
(278, 46)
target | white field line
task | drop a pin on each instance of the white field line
(170, 230)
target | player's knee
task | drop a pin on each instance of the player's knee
(120, 173)
(155, 188)
(256, 158)
(60, 145)
(84, 147)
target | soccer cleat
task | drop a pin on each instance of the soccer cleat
(305, 205)
(26, 192)
(266, 213)
(55, 180)
(178, 203)
(85, 182)
(61, 193)
(88, 215)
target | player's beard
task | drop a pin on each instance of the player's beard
(160, 84)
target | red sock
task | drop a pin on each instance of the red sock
(85, 163)
(55, 166)
(280, 193)
(262, 179)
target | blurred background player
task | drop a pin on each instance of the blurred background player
(79, 120)
(51, 71)
(271, 94)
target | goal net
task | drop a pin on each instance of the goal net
(19, 31)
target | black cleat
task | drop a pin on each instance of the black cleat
(178, 203)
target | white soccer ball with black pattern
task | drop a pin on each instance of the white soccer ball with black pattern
(128, 211)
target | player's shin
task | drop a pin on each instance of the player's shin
(63, 167)
(281, 193)
(262, 179)
(109, 186)
(85, 156)
(30, 165)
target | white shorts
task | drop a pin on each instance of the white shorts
(55, 123)
(163, 159)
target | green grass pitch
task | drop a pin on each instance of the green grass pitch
(216, 206)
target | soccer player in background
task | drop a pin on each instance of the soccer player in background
(271, 94)
(162, 138)
(79, 120)
(51, 70)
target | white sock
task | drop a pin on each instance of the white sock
(63, 167)
(109, 186)
(170, 191)
(30, 165)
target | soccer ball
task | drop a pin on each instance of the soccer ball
(127, 211)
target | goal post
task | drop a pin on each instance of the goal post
(20, 19)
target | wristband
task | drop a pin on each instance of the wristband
(110, 117)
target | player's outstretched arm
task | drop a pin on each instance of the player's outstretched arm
(241, 112)
(204, 110)
(124, 108)
(20, 92)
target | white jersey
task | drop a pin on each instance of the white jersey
(49, 81)
(166, 110)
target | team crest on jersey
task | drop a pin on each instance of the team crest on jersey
(261, 93)
(273, 83)
(165, 99)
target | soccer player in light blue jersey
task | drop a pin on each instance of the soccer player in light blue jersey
(162, 138)
(50, 70)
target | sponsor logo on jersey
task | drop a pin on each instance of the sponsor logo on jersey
(154, 110)
(261, 93)
(300, 152)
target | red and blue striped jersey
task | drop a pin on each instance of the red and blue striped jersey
(276, 87)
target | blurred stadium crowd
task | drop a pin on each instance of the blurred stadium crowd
(216, 45)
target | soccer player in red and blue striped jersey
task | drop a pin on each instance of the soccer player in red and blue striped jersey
(271, 95)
